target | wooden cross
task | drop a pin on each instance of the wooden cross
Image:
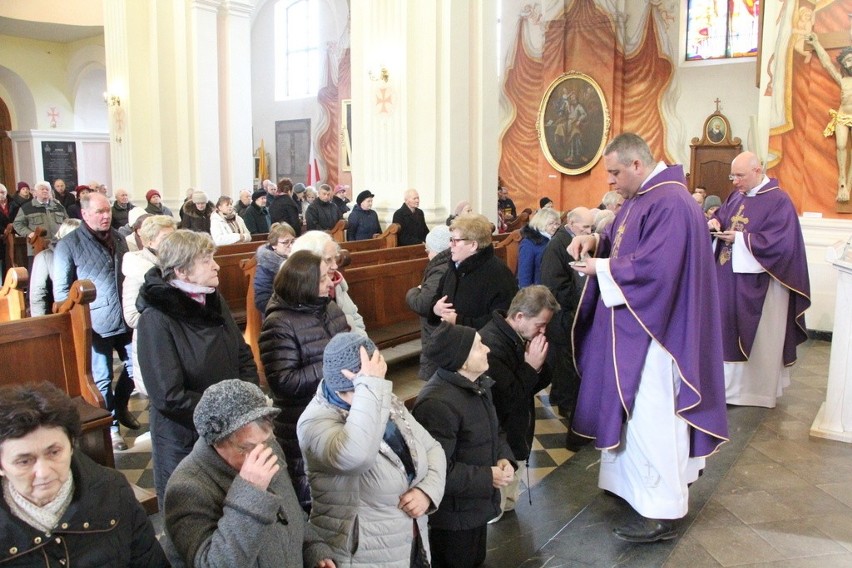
(717, 101)
(833, 40)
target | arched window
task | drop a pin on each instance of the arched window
(719, 29)
(297, 54)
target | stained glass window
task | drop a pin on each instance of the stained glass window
(297, 54)
(719, 29)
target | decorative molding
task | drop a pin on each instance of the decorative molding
(59, 135)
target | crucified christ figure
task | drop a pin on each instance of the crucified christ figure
(841, 119)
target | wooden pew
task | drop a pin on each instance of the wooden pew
(383, 256)
(379, 292)
(13, 304)
(507, 250)
(520, 221)
(386, 240)
(57, 348)
(253, 317)
(16, 246)
(338, 232)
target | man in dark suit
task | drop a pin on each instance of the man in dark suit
(412, 223)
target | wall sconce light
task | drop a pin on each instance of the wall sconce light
(112, 100)
(381, 75)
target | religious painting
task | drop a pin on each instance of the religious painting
(346, 134)
(716, 129)
(573, 123)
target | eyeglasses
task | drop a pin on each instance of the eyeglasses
(732, 177)
(455, 241)
(286, 242)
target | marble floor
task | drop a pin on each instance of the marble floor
(773, 496)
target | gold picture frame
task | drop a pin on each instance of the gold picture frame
(573, 123)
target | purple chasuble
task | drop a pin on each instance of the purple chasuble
(770, 225)
(661, 261)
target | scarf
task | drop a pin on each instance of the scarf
(42, 518)
(392, 436)
(194, 291)
(231, 220)
(103, 237)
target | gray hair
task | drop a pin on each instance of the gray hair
(602, 219)
(629, 147)
(66, 227)
(152, 226)
(313, 241)
(543, 218)
(181, 250)
(530, 301)
(41, 183)
(610, 198)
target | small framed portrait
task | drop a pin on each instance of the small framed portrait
(716, 129)
(573, 123)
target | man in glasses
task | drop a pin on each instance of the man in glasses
(764, 288)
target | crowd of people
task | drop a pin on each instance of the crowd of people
(618, 309)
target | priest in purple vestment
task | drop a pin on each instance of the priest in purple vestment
(648, 342)
(763, 284)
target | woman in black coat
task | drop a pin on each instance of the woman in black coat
(196, 212)
(456, 408)
(187, 341)
(300, 321)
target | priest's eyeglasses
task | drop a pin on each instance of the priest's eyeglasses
(732, 177)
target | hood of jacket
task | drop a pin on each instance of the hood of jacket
(277, 303)
(158, 294)
(528, 232)
(268, 258)
(471, 263)
(191, 210)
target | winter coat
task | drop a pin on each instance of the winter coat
(362, 224)
(184, 347)
(412, 226)
(530, 252)
(322, 215)
(158, 209)
(195, 220)
(32, 215)
(120, 215)
(256, 219)
(291, 342)
(341, 297)
(515, 383)
(223, 233)
(564, 282)
(357, 479)
(421, 299)
(285, 209)
(135, 266)
(341, 204)
(476, 287)
(103, 526)
(268, 263)
(66, 199)
(214, 517)
(460, 415)
(41, 283)
(79, 255)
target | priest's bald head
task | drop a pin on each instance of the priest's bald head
(746, 172)
(628, 162)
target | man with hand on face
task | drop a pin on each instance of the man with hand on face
(648, 343)
(516, 362)
(763, 284)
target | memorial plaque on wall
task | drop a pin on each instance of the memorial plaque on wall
(59, 160)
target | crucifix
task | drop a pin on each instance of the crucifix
(840, 123)
(718, 101)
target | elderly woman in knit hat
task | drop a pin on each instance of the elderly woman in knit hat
(456, 407)
(230, 501)
(196, 213)
(375, 473)
(420, 298)
(363, 222)
(256, 215)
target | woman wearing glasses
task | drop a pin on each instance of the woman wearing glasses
(270, 256)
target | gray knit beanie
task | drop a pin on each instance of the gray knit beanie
(299, 188)
(438, 238)
(227, 406)
(344, 352)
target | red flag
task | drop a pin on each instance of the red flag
(313, 175)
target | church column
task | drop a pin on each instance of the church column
(433, 125)
(236, 113)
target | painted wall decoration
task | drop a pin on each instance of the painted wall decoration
(573, 123)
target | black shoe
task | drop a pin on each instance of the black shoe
(125, 418)
(574, 443)
(646, 530)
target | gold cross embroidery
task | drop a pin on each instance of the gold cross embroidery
(739, 221)
(620, 234)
